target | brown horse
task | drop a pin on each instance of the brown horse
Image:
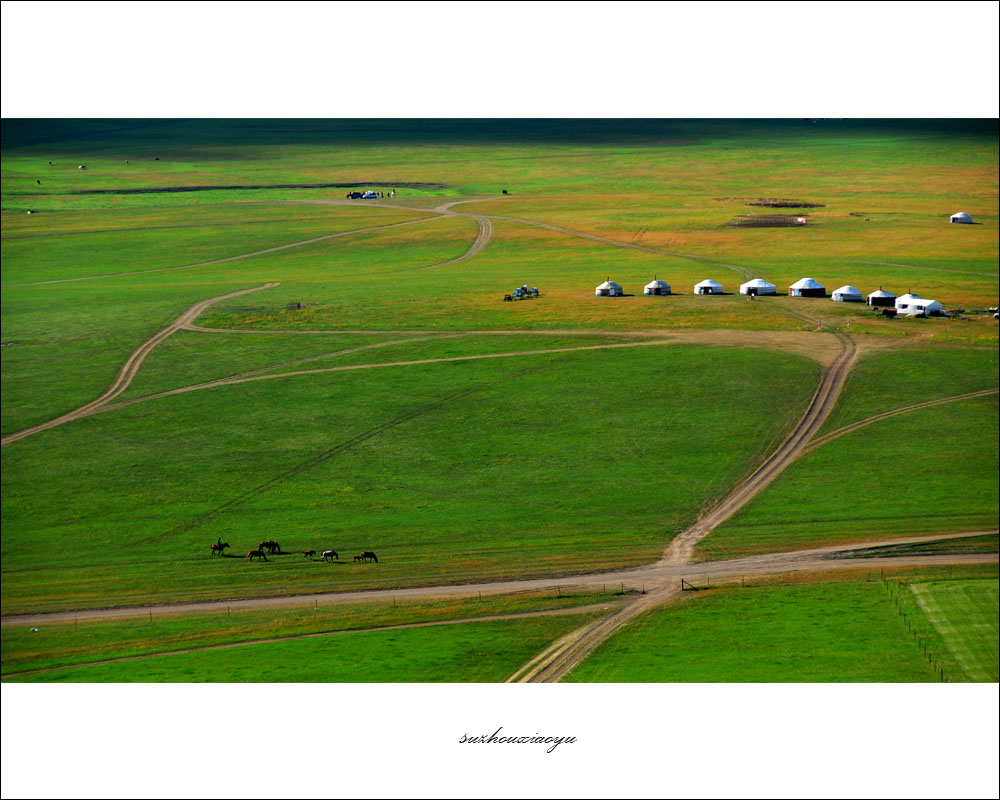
(218, 547)
(271, 546)
(368, 555)
(258, 554)
(309, 553)
(358, 559)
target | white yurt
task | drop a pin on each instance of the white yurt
(807, 287)
(758, 286)
(656, 287)
(881, 298)
(609, 289)
(961, 217)
(848, 294)
(708, 287)
(913, 305)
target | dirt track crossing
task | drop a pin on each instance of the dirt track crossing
(681, 549)
(651, 576)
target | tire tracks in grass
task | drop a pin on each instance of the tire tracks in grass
(320, 458)
(240, 257)
(930, 269)
(861, 423)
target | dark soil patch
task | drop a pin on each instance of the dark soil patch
(783, 202)
(170, 189)
(765, 221)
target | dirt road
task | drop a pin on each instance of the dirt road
(682, 547)
(652, 576)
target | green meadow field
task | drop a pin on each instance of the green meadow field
(818, 631)
(370, 389)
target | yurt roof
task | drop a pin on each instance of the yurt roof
(959, 214)
(908, 297)
(848, 290)
(609, 285)
(759, 283)
(709, 283)
(806, 283)
(656, 283)
(881, 293)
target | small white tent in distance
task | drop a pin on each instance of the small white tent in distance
(758, 286)
(881, 298)
(708, 287)
(807, 287)
(847, 294)
(656, 287)
(609, 289)
(961, 217)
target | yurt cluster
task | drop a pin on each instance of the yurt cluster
(912, 305)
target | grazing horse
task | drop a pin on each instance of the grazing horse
(329, 555)
(309, 553)
(271, 546)
(358, 559)
(368, 555)
(258, 554)
(218, 547)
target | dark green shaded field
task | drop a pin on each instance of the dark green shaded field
(471, 652)
(966, 544)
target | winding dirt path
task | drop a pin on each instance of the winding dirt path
(682, 547)
(130, 367)
(819, 441)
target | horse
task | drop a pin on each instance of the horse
(218, 547)
(258, 554)
(309, 553)
(329, 555)
(271, 546)
(368, 555)
(358, 559)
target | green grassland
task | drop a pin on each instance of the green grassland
(495, 468)
(519, 466)
(964, 614)
(30, 647)
(827, 631)
(931, 470)
(83, 244)
(472, 652)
